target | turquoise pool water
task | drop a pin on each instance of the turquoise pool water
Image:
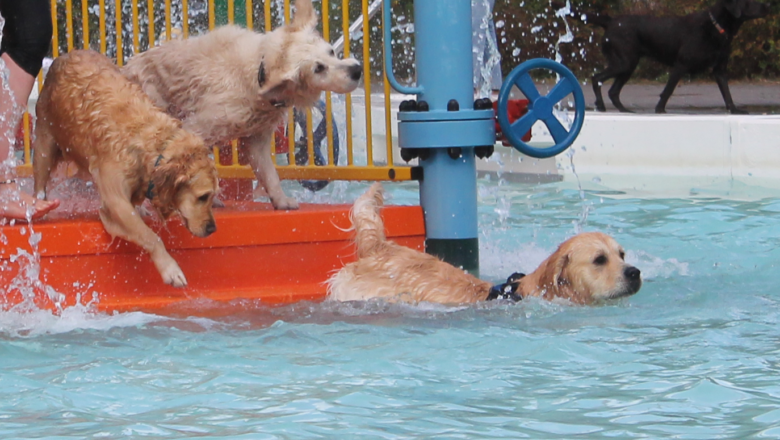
(693, 355)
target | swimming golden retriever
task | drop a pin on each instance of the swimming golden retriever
(586, 269)
(89, 113)
(236, 83)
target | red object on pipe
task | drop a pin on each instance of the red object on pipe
(516, 108)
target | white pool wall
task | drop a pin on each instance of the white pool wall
(640, 153)
(650, 152)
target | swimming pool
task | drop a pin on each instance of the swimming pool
(693, 355)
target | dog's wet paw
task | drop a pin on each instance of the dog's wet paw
(285, 203)
(173, 276)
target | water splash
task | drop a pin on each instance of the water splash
(486, 31)
(580, 223)
(27, 284)
(562, 108)
(279, 5)
(78, 317)
(655, 267)
(567, 37)
(9, 118)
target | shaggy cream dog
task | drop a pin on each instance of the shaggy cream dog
(585, 269)
(90, 114)
(235, 83)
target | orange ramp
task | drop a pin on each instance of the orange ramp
(257, 253)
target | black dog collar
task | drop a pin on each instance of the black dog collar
(507, 290)
(717, 26)
(150, 189)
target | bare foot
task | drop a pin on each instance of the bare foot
(15, 203)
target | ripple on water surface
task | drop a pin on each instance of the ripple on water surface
(692, 355)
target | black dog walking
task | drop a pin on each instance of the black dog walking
(689, 44)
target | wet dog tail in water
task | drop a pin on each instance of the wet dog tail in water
(369, 227)
(385, 269)
(599, 19)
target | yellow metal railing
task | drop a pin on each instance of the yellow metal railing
(121, 28)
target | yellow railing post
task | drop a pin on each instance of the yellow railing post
(290, 114)
(120, 58)
(367, 85)
(212, 15)
(136, 28)
(310, 136)
(168, 20)
(267, 13)
(55, 47)
(85, 23)
(26, 134)
(102, 25)
(250, 24)
(328, 101)
(388, 108)
(150, 14)
(69, 23)
(348, 100)
(185, 18)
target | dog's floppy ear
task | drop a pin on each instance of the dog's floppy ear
(167, 178)
(734, 7)
(277, 85)
(552, 275)
(277, 90)
(560, 266)
(305, 17)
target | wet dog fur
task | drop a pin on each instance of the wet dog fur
(586, 269)
(236, 83)
(90, 114)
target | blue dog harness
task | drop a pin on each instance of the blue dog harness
(507, 290)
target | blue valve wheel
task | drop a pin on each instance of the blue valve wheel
(540, 108)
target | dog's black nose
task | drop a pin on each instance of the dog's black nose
(211, 228)
(355, 72)
(632, 273)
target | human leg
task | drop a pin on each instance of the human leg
(26, 38)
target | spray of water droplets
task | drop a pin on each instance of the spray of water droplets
(487, 65)
(27, 282)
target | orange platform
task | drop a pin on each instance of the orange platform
(276, 257)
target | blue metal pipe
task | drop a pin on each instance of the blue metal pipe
(448, 195)
(443, 52)
(445, 131)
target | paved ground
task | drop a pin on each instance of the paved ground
(758, 97)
